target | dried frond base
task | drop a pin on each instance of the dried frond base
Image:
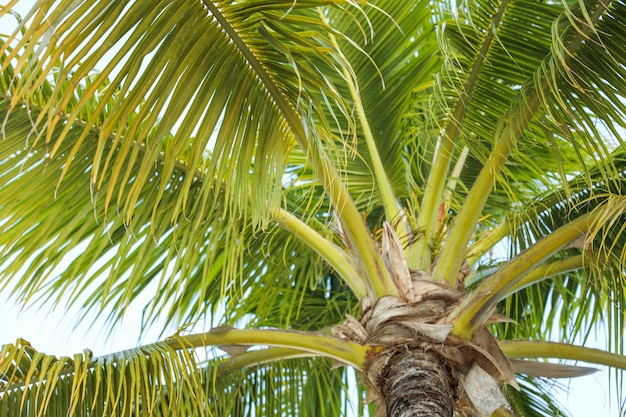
(468, 371)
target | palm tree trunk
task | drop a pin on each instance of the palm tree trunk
(417, 383)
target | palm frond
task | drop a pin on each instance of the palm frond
(535, 398)
(165, 379)
(290, 387)
(592, 292)
(182, 41)
(533, 102)
(153, 379)
(109, 266)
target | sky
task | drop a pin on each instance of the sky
(57, 332)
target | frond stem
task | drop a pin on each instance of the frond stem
(476, 308)
(316, 343)
(546, 271)
(378, 280)
(393, 211)
(427, 218)
(515, 122)
(541, 349)
(261, 357)
(331, 253)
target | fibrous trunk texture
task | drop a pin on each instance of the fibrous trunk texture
(417, 383)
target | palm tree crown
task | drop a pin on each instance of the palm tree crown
(413, 191)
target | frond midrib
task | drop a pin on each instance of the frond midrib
(180, 165)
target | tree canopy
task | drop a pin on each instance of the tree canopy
(342, 179)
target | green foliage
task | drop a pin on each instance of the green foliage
(147, 147)
(534, 398)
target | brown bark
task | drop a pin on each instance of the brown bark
(417, 383)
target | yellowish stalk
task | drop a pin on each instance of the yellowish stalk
(547, 271)
(515, 349)
(315, 343)
(480, 303)
(335, 256)
(453, 253)
(390, 202)
(478, 249)
(392, 208)
(261, 357)
(375, 273)
(427, 219)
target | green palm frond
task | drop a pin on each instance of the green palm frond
(111, 263)
(182, 43)
(530, 111)
(289, 387)
(153, 379)
(535, 398)
(593, 290)
(166, 379)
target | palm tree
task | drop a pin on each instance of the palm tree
(420, 196)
